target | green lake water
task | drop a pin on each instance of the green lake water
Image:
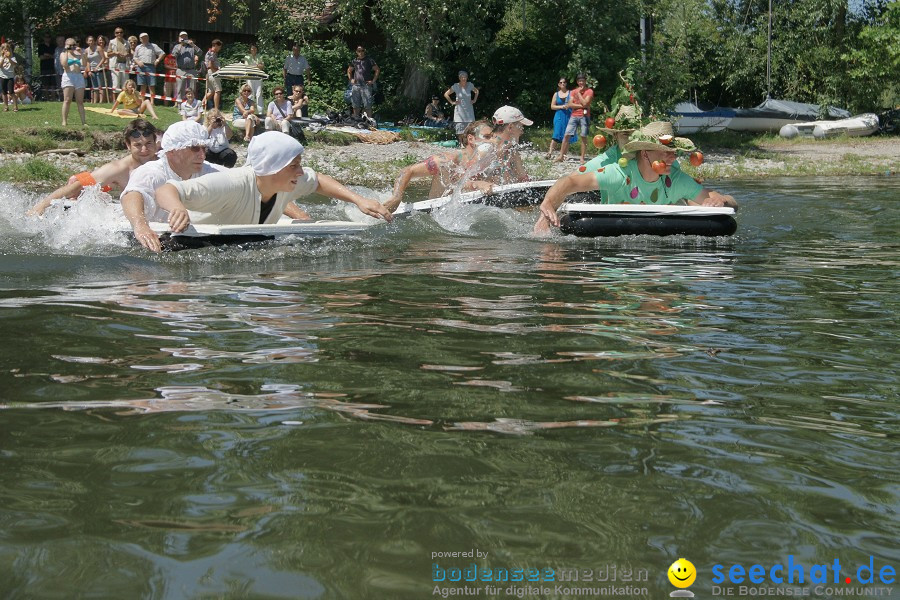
(319, 420)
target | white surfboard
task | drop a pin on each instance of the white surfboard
(529, 193)
(201, 235)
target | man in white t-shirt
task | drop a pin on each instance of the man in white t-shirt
(258, 193)
(182, 157)
(295, 67)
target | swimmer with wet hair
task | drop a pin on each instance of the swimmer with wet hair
(140, 140)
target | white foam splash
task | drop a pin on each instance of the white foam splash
(93, 220)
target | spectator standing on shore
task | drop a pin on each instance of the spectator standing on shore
(187, 63)
(72, 80)
(48, 73)
(8, 77)
(279, 112)
(295, 67)
(191, 109)
(580, 102)
(130, 67)
(57, 66)
(105, 86)
(117, 52)
(146, 58)
(255, 60)
(219, 151)
(94, 56)
(466, 95)
(170, 65)
(363, 74)
(559, 104)
(213, 83)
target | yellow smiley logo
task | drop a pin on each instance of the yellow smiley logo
(682, 573)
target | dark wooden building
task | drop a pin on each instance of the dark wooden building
(164, 19)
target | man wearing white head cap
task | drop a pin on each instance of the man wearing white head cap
(182, 157)
(258, 193)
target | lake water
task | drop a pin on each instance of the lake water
(318, 420)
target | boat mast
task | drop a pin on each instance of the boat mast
(769, 57)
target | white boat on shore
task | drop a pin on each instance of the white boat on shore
(856, 126)
(689, 117)
(772, 115)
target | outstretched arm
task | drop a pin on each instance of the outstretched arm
(133, 207)
(328, 186)
(570, 184)
(421, 169)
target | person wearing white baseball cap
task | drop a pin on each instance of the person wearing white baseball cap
(258, 193)
(510, 114)
(506, 164)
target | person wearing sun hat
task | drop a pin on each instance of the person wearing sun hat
(647, 178)
(258, 193)
(628, 119)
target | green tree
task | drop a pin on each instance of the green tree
(874, 61)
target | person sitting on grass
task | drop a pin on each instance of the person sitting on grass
(258, 193)
(218, 151)
(140, 140)
(22, 91)
(280, 112)
(190, 109)
(244, 114)
(131, 103)
(299, 101)
(434, 115)
(647, 178)
(447, 168)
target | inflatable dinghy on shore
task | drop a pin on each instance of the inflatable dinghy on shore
(610, 220)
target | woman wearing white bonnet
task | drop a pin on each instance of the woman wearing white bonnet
(258, 193)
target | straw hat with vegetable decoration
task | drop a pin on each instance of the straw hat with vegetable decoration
(657, 136)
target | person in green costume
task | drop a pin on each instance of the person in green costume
(648, 178)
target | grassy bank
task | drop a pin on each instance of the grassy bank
(35, 129)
